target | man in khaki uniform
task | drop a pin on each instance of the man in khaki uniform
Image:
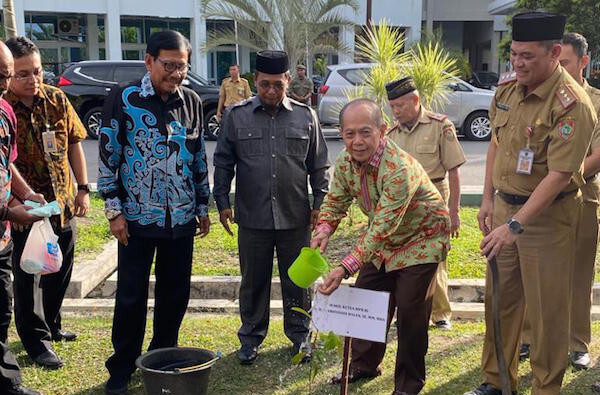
(234, 89)
(431, 139)
(542, 124)
(301, 87)
(574, 59)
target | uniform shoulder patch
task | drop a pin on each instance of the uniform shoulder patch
(566, 128)
(506, 78)
(566, 96)
(437, 117)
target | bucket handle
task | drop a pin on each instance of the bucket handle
(201, 366)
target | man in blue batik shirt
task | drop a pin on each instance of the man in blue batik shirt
(153, 178)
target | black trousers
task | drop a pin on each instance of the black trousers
(10, 373)
(38, 299)
(172, 292)
(256, 261)
(411, 293)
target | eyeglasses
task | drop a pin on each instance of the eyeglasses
(278, 86)
(174, 66)
(24, 76)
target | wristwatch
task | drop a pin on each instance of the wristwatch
(347, 274)
(111, 214)
(515, 226)
(83, 187)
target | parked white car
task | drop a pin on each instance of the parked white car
(467, 107)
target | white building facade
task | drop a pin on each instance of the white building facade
(73, 30)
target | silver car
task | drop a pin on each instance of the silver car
(467, 107)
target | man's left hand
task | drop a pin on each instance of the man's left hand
(492, 243)
(203, 226)
(82, 203)
(333, 281)
(314, 217)
(454, 224)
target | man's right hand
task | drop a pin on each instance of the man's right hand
(485, 216)
(218, 115)
(320, 240)
(118, 227)
(19, 215)
(226, 217)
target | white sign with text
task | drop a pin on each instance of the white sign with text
(352, 312)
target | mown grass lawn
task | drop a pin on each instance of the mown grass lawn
(452, 362)
(217, 253)
(92, 231)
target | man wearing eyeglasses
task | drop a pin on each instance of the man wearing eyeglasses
(154, 180)
(49, 135)
(275, 145)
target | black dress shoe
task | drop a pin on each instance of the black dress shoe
(524, 352)
(49, 360)
(18, 389)
(116, 385)
(306, 349)
(486, 389)
(443, 324)
(63, 335)
(247, 354)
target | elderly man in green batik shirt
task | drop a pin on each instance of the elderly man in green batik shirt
(399, 252)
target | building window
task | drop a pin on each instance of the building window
(154, 25)
(132, 55)
(131, 31)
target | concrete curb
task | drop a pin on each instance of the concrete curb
(89, 274)
(460, 311)
(227, 288)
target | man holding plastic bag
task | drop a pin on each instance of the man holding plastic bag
(49, 146)
(10, 210)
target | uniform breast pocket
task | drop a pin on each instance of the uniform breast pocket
(296, 142)
(428, 155)
(250, 141)
(499, 123)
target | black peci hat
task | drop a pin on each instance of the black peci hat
(272, 62)
(400, 88)
(538, 26)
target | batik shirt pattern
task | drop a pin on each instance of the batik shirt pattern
(152, 164)
(408, 220)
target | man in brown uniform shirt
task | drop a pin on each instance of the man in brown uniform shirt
(542, 126)
(234, 89)
(574, 59)
(431, 139)
(301, 87)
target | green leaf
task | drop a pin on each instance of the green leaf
(330, 341)
(297, 359)
(301, 311)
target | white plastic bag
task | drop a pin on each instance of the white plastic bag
(42, 253)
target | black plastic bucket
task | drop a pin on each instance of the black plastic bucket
(161, 375)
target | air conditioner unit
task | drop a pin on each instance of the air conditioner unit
(68, 26)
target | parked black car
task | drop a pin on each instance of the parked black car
(87, 84)
(484, 79)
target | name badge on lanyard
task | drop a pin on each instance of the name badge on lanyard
(49, 141)
(525, 160)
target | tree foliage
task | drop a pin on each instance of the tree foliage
(582, 17)
(302, 28)
(431, 66)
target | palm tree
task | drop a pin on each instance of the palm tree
(302, 28)
(430, 65)
(10, 22)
